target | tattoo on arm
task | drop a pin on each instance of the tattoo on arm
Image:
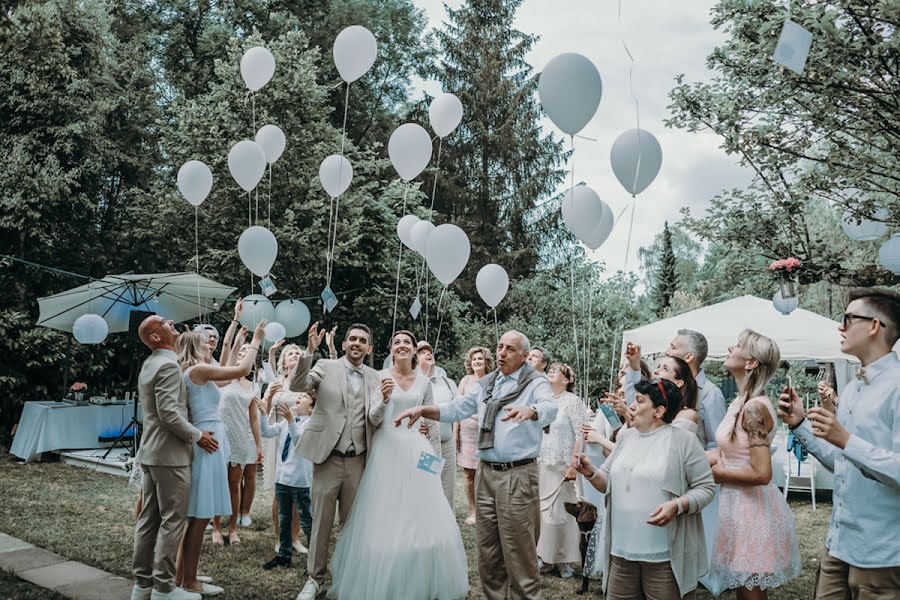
(755, 424)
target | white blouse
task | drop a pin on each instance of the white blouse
(558, 445)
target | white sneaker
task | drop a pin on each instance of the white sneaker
(204, 579)
(208, 589)
(309, 590)
(299, 548)
(176, 594)
(245, 521)
(139, 593)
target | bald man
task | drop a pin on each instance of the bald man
(514, 404)
(165, 456)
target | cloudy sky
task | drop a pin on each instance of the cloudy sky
(666, 38)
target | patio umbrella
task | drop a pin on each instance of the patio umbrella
(175, 296)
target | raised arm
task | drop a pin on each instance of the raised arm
(229, 334)
(378, 403)
(200, 374)
(303, 378)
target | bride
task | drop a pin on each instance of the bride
(401, 540)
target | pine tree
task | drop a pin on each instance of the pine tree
(666, 275)
(498, 167)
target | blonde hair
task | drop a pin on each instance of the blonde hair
(488, 360)
(768, 358)
(191, 348)
(283, 356)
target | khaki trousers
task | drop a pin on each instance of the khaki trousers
(837, 580)
(633, 580)
(507, 528)
(448, 474)
(335, 481)
(160, 524)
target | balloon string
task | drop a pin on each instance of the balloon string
(249, 197)
(587, 362)
(441, 321)
(637, 109)
(250, 224)
(399, 258)
(630, 229)
(197, 259)
(496, 326)
(437, 170)
(269, 212)
(574, 310)
(337, 200)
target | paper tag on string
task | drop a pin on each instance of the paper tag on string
(329, 300)
(793, 47)
(267, 286)
(430, 463)
(415, 308)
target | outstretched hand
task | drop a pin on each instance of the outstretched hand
(413, 414)
(519, 414)
(315, 338)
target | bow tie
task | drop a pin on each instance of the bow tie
(354, 369)
(861, 375)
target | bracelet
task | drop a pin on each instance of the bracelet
(256, 349)
(235, 321)
(678, 506)
(594, 475)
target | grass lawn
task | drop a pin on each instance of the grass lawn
(89, 517)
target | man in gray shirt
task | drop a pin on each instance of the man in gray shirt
(692, 347)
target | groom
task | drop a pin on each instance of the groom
(350, 405)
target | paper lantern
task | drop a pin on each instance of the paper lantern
(862, 229)
(785, 305)
(889, 255)
(90, 329)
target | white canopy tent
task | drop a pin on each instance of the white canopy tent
(801, 335)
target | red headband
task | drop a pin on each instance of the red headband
(662, 389)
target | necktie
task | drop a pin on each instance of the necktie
(287, 444)
(861, 375)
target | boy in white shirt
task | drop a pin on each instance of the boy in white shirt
(293, 474)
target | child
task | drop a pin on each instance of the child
(293, 474)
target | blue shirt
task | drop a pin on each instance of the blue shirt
(512, 441)
(711, 406)
(294, 471)
(864, 529)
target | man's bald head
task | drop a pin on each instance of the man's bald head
(157, 332)
(512, 349)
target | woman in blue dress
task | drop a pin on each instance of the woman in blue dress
(209, 472)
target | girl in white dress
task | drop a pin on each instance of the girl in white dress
(401, 540)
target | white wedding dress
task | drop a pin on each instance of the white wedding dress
(401, 541)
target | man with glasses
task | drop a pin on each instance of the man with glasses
(861, 446)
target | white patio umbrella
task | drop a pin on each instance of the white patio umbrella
(175, 296)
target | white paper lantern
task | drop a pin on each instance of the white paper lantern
(862, 229)
(256, 308)
(889, 255)
(90, 329)
(785, 305)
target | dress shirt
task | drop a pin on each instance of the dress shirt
(631, 378)
(512, 441)
(354, 375)
(294, 471)
(863, 530)
(444, 391)
(711, 407)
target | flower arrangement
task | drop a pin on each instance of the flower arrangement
(785, 269)
(78, 386)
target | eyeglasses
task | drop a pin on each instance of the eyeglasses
(158, 325)
(848, 318)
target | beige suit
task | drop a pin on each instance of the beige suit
(337, 422)
(165, 457)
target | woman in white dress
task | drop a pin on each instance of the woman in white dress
(401, 540)
(209, 495)
(558, 544)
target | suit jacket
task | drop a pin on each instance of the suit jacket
(329, 380)
(168, 439)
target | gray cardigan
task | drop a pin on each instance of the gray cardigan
(687, 474)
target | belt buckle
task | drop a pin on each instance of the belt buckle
(504, 466)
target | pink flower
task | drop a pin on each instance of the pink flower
(78, 386)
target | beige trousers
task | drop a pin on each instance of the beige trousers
(507, 528)
(837, 580)
(448, 474)
(633, 580)
(160, 524)
(335, 481)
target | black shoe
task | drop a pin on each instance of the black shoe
(278, 561)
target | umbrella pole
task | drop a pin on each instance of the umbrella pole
(66, 369)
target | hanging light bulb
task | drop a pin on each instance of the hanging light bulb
(90, 329)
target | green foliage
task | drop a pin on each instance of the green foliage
(666, 280)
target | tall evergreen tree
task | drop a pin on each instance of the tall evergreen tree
(666, 274)
(498, 167)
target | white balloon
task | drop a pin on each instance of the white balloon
(492, 283)
(785, 305)
(409, 150)
(275, 332)
(194, 181)
(294, 315)
(355, 49)
(90, 329)
(636, 158)
(445, 114)
(257, 67)
(447, 252)
(862, 229)
(588, 217)
(256, 308)
(335, 174)
(418, 236)
(404, 229)
(247, 164)
(271, 139)
(569, 89)
(889, 254)
(258, 249)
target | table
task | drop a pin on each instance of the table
(44, 426)
(824, 477)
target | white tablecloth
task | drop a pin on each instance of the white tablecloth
(43, 427)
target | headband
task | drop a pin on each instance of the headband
(662, 390)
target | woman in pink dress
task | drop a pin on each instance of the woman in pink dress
(756, 547)
(478, 364)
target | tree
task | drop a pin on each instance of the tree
(666, 283)
(828, 135)
(688, 257)
(498, 167)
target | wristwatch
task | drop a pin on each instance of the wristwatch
(534, 413)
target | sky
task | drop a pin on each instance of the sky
(666, 38)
